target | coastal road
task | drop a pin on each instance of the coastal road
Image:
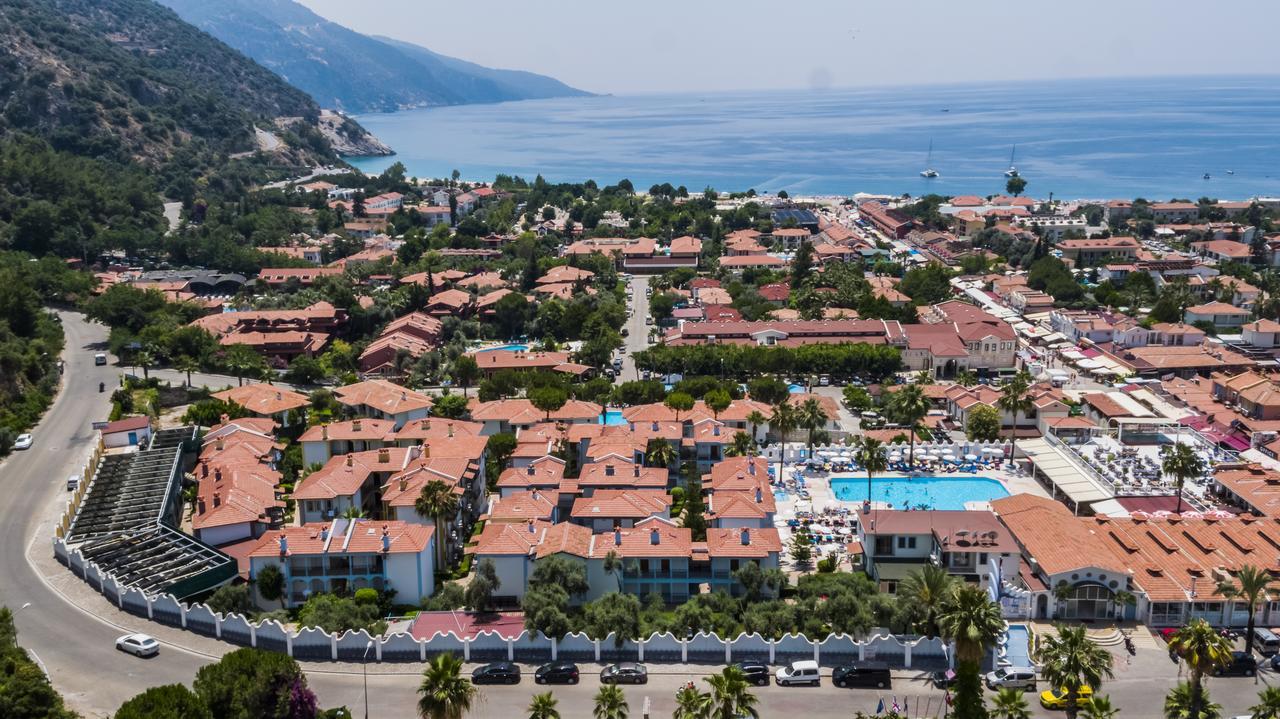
(637, 331)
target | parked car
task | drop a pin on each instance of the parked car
(139, 645)
(624, 673)
(824, 380)
(556, 673)
(944, 678)
(1242, 664)
(24, 441)
(100, 358)
(1050, 699)
(625, 332)
(73, 482)
(496, 673)
(756, 671)
(802, 672)
(862, 674)
(1266, 641)
(1012, 677)
(648, 320)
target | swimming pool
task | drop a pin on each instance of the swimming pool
(930, 492)
(614, 416)
(795, 388)
(511, 348)
(1018, 652)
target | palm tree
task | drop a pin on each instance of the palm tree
(660, 453)
(611, 703)
(927, 588)
(1099, 707)
(1182, 463)
(812, 417)
(1010, 704)
(354, 512)
(1268, 706)
(1205, 651)
(612, 566)
(446, 694)
(784, 421)
(1252, 587)
(1070, 660)
(187, 365)
(241, 359)
(966, 378)
(755, 419)
(144, 359)
(1014, 400)
(437, 502)
(692, 704)
(869, 452)
(908, 406)
(742, 445)
(1177, 704)
(730, 697)
(543, 706)
(971, 620)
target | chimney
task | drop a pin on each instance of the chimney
(617, 536)
(404, 396)
(635, 471)
(716, 430)
(426, 451)
(217, 474)
(751, 466)
(608, 470)
(531, 527)
(324, 534)
(324, 432)
(535, 495)
(217, 499)
(384, 455)
(284, 544)
(426, 424)
(349, 460)
(204, 469)
(746, 536)
(279, 396)
(529, 470)
(654, 536)
(220, 444)
(355, 425)
(224, 418)
(654, 427)
(200, 504)
(386, 539)
(404, 483)
(759, 495)
(451, 429)
(632, 425)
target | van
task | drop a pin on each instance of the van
(100, 358)
(805, 672)
(1266, 641)
(1012, 677)
(863, 674)
(73, 482)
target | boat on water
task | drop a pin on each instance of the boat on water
(1231, 172)
(928, 172)
(1013, 169)
(1206, 176)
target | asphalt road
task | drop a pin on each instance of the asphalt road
(637, 331)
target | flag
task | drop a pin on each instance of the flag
(896, 708)
(880, 706)
(905, 705)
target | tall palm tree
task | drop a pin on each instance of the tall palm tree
(186, 365)
(1182, 463)
(144, 359)
(1177, 704)
(446, 694)
(438, 503)
(1251, 587)
(812, 417)
(1204, 650)
(971, 620)
(927, 588)
(742, 445)
(1010, 703)
(908, 406)
(1070, 660)
(692, 704)
(966, 378)
(869, 452)
(543, 706)
(611, 703)
(1099, 706)
(660, 453)
(613, 567)
(1014, 400)
(755, 419)
(730, 696)
(1268, 706)
(784, 421)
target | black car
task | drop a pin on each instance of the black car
(1242, 665)
(756, 671)
(556, 673)
(496, 673)
(624, 673)
(862, 674)
(944, 678)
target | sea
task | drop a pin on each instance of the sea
(1075, 139)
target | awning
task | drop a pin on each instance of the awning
(1064, 474)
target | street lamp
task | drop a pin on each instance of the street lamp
(364, 671)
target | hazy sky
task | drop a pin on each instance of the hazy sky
(611, 46)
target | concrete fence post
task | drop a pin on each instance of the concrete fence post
(182, 614)
(862, 651)
(422, 651)
(377, 651)
(906, 653)
(511, 649)
(684, 651)
(773, 649)
(555, 649)
(253, 635)
(217, 625)
(150, 613)
(596, 644)
(466, 650)
(288, 643)
(728, 651)
(333, 647)
(816, 652)
(641, 644)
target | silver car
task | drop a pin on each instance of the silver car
(139, 645)
(1023, 678)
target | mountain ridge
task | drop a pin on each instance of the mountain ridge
(353, 72)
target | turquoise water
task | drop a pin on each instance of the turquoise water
(1019, 653)
(614, 416)
(931, 492)
(513, 348)
(1151, 137)
(795, 388)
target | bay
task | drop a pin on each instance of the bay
(1148, 137)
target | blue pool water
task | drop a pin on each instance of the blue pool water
(932, 492)
(513, 348)
(795, 388)
(1019, 652)
(614, 416)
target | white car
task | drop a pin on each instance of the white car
(24, 441)
(139, 645)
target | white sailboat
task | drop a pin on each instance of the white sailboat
(1013, 169)
(928, 172)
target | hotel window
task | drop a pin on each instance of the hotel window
(906, 542)
(884, 546)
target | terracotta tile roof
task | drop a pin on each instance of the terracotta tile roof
(523, 506)
(565, 273)
(365, 429)
(1048, 532)
(654, 537)
(731, 504)
(1254, 483)
(728, 542)
(343, 475)
(1217, 308)
(346, 536)
(621, 504)
(384, 396)
(736, 474)
(616, 474)
(403, 488)
(264, 399)
(419, 430)
(234, 494)
(522, 411)
(544, 472)
(509, 359)
(482, 280)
